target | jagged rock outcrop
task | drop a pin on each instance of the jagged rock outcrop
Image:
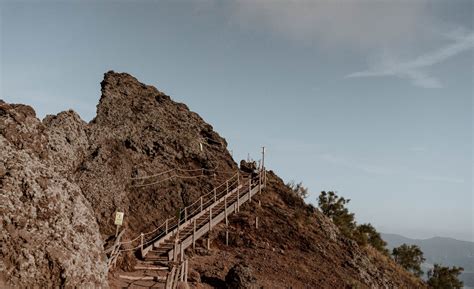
(48, 230)
(62, 179)
(139, 131)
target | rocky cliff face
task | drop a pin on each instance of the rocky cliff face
(139, 131)
(48, 230)
(62, 179)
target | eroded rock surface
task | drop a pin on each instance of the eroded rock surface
(48, 231)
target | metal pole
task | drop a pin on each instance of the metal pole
(263, 167)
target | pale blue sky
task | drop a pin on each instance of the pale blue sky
(372, 99)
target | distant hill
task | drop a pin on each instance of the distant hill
(441, 250)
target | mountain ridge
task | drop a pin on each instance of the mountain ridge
(59, 167)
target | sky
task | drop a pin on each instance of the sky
(372, 99)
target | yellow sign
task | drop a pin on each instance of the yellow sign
(118, 218)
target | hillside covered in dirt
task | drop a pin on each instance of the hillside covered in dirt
(62, 180)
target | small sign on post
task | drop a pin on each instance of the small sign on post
(118, 221)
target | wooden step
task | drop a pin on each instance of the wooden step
(143, 278)
(158, 268)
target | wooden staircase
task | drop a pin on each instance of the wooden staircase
(163, 252)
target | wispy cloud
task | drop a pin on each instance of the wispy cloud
(337, 23)
(441, 179)
(368, 168)
(413, 69)
(386, 170)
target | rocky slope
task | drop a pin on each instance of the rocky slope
(295, 246)
(62, 179)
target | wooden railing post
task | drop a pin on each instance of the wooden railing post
(215, 195)
(260, 183)
(175, 251)
(210, 219)
(166, 227)
(181, 251)
(141, 244)
(227, 186)
(186, 268)
(250, 189)
(238, 199)
(225, 208)
(185, 214)
(201, 203)
(226, 223)
(194, 234)
(177, 232)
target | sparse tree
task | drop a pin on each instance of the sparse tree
(366, 233)
(409, 257)
(333, 206)
(298, 189)
(444, 277)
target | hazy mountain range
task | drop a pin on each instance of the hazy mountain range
(441, 250)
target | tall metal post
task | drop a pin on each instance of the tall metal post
(263, 167)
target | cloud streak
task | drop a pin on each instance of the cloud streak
(413, 69)
(386, 171)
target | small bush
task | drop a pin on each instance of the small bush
(409, 257)
(298, 189)
(444, 277)
(333, 206)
